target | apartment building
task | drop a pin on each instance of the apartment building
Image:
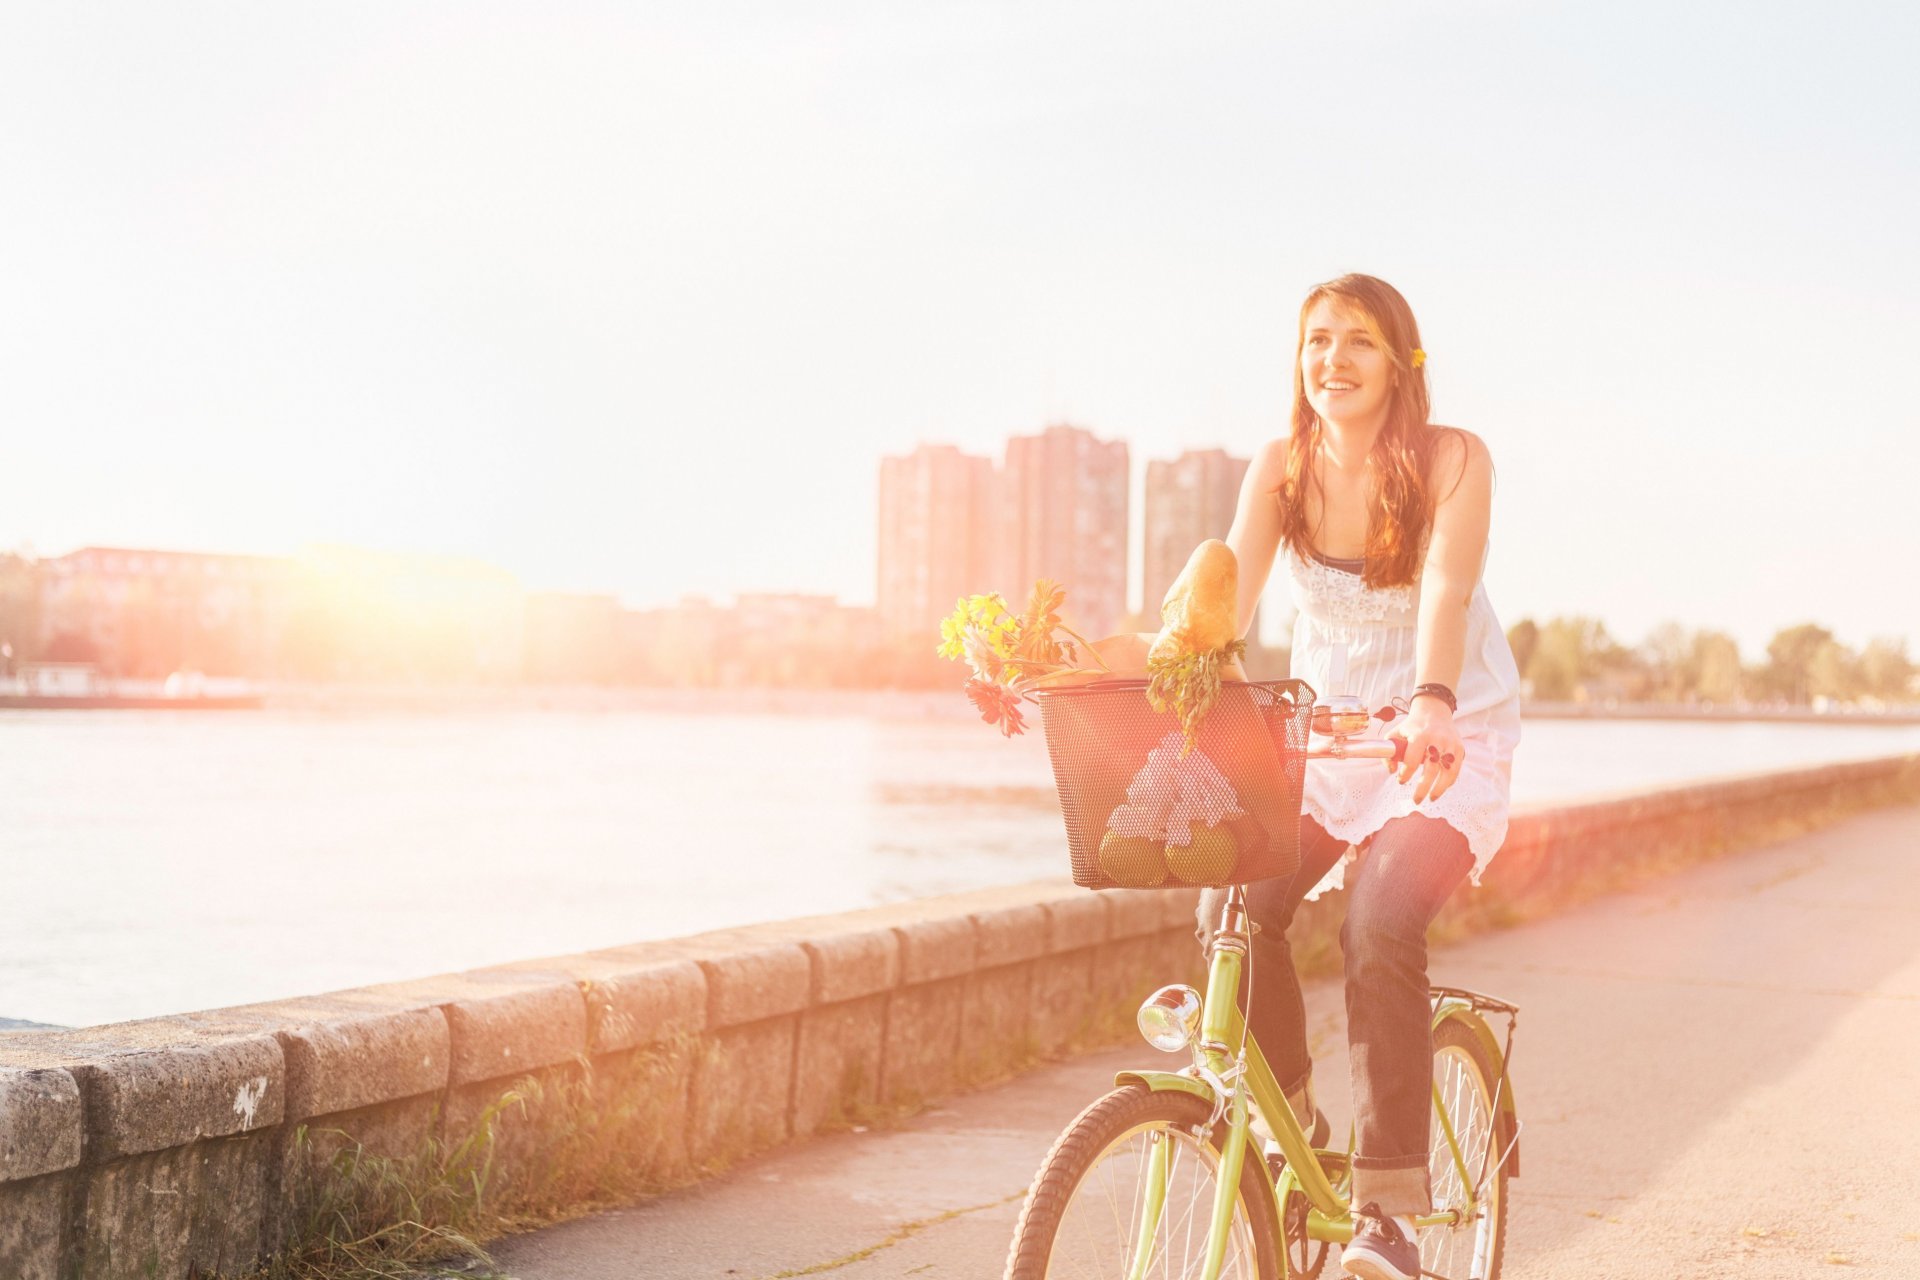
(939, 539)
(1064, 499)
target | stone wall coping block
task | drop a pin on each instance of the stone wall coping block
(160, 1082)
(1009, 935)
(1131, 912)
(635, 995)
(752, 973)
(343, 1064)
(852, 964)
(36, 1048)
(851, 953)
(501, 1022)
(1076, 922)
(346, 1049)
(936, 947)
(1177, 906)
(933, 939)
(42, 1122)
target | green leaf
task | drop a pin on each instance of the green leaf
(1188, 684)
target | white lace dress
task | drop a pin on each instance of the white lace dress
(1350, 638)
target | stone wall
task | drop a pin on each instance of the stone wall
(200, 1144)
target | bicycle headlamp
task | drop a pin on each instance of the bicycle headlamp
(1170, 1018)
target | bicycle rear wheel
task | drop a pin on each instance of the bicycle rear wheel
(1084, 1213)
(1465, 1075)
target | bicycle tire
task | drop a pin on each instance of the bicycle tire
(1468, 1077)
(1115, 1134)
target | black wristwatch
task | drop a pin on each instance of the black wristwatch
(1439, 691)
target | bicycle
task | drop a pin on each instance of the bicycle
(1163, 1177)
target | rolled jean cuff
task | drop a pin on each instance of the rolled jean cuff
(1397, 1190)
(1300, 1098)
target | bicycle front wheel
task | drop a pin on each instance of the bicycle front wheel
(1464, 1076)
(1090, 1212)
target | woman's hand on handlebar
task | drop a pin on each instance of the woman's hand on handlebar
(1435, 752)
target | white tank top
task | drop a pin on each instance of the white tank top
(1351, 638)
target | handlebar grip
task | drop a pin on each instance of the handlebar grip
(1393, 749)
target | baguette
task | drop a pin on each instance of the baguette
(1201, 611)
(1199, 642)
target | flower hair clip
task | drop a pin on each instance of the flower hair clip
(1419, 357)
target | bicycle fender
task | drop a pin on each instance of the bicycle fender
(1166, 1082)
(1174, 1082)
(1462, 1013)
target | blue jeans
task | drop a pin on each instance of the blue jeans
(1393, 893)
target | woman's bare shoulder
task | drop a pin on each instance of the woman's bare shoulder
(1458, 443)
(1457, 453)
(1270, 462)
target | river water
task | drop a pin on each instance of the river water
(153, 862)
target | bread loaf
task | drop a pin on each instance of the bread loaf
(1201, 613)
(1199, 643)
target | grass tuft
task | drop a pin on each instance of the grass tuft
(371, 1217)
(553, 1146)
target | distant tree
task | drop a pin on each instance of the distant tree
(1522, 637)
(1678, 665)
(1569, 651)
(1554, 667)
(1714, 667)
(1790, 661)
(1885, 670)
(1667, 658)
(1833, 673)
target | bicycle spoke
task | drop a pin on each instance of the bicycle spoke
(1102, 1224)
(1459, 1251)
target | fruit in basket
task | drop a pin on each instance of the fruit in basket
(1208, 857)
(1135, 862)
(1199, 642)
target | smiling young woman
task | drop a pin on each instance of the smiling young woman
(1382, 518)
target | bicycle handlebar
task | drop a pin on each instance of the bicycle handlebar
(1319, 748)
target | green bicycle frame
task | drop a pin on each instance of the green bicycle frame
(1230, 1072)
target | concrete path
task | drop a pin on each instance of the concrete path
(1717, 1075)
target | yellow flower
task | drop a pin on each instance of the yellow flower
(986, 617)
(953, 632)
(1419, 357)
(982, 655)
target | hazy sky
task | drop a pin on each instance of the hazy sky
(632, 297)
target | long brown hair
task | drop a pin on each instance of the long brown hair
(1403, 508)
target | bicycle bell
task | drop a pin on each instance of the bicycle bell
(1340, 715)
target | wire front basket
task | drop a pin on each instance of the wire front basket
(1142, 809)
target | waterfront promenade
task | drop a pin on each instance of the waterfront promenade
(1711, 1069)
(1755, 986)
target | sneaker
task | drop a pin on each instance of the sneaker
(1379, 1250)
